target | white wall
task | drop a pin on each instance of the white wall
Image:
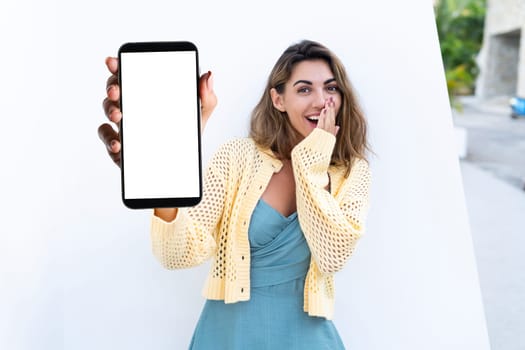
(75, 265)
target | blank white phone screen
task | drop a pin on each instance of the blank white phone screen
(160, 127)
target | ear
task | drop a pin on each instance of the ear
(277, 100)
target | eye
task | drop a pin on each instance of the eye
(332, 88)
(304, 90)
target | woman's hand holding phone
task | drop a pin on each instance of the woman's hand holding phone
(111, 105)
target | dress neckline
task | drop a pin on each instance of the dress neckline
(289, 217)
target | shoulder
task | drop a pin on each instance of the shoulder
(237, 146)
(238, 143)
(360, 165)
(360, 173)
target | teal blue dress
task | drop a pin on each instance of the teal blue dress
(273, 318)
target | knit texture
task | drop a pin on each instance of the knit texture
(332, 221)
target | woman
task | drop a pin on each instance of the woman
(282, 210)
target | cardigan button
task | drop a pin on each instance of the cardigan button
(242, 257)
(242, 290)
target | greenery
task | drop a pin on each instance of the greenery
(460, 25)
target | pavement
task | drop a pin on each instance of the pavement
(496, 142)
(493, 171)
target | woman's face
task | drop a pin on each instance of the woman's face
(310, 86)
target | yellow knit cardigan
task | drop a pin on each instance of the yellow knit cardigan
(236, 177)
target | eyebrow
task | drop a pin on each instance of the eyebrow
(310, 83)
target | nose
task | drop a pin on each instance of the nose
(319, 99)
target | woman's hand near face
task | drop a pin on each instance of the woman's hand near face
(111, 104)
(327, 117)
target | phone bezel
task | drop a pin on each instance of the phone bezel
(171, 202)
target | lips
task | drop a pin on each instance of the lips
(313, 119)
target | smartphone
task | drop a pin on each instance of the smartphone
(160, 127)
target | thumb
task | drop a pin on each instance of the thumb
(207, 96)
(205, 85)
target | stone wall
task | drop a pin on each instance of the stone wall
(502, 57)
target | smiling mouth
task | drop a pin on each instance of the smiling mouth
(314, 119)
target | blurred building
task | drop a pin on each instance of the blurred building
(502, 56)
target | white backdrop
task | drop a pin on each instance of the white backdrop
(75, 265)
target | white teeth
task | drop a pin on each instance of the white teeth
(313, 119)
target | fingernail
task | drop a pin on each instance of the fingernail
(114, 115)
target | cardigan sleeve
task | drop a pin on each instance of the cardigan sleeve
(331, 225)
(190, 239)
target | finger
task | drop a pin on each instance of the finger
(112, 64)
(206, 92)
(112, 80)
(327, 118)
(115, 157)
(322, 119)
(330, 121)
(331, 112)
(113, 92)
(113, 88)
(207, 95)
(206, 82)
(112, 110)
(109, 137)
(203, 86)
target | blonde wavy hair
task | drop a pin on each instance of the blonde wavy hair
(271, 128)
